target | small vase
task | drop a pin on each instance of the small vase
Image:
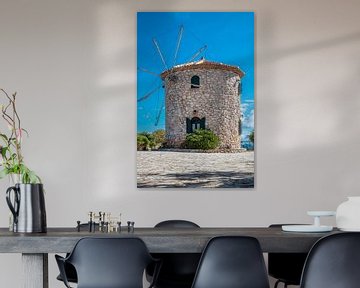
(348, 214)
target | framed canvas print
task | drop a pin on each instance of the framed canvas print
(195, 100)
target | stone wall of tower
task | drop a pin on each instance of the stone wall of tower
(217, 99)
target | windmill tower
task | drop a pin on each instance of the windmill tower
(203, 94)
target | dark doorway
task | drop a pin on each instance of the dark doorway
(194, 124)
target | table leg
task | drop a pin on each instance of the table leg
(35, 270)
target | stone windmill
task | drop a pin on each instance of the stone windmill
(203, 94)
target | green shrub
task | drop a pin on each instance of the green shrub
(203, 139)
(143, 143)
(159, 138)
(148, 141)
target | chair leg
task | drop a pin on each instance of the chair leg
(279, 281)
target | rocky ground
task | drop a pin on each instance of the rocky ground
(165, 169)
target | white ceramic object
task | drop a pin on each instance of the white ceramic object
(348, 214)
(306, 228)
(321, 213)
(316, 227)
(318, 214)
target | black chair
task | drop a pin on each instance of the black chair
(333, 262)
(108, 263)
(69, 269)
(286, 267)
(178, 269)
(232, 262)
(176, 224)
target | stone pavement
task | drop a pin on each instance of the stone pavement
(165, 169)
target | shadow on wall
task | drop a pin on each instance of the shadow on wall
(111, 115)
(309, 47)
(306, 114)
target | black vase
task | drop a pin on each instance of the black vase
(28, 208)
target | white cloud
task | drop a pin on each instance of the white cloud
(247, 111)
(248, 120)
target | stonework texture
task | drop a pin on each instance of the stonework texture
(217, 99)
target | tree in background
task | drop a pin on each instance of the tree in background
(252, 136)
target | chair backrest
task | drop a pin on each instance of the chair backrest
(286, 267)
(110, 262)
(176, 224)
(178, 269)
(333, 262)
(232, 262)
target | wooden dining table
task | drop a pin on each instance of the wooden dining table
(35, 247)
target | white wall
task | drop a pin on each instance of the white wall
(73, 64)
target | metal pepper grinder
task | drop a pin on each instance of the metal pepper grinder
(102, 222)
(90, 221)
(130, 226)
(78, 226)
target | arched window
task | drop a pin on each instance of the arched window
(194, 124)
(195, 81)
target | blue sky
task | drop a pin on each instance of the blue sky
(229, 37)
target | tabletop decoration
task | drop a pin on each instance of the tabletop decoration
(315, 227)
(102, 221)
(348, 214)
(25, 197)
